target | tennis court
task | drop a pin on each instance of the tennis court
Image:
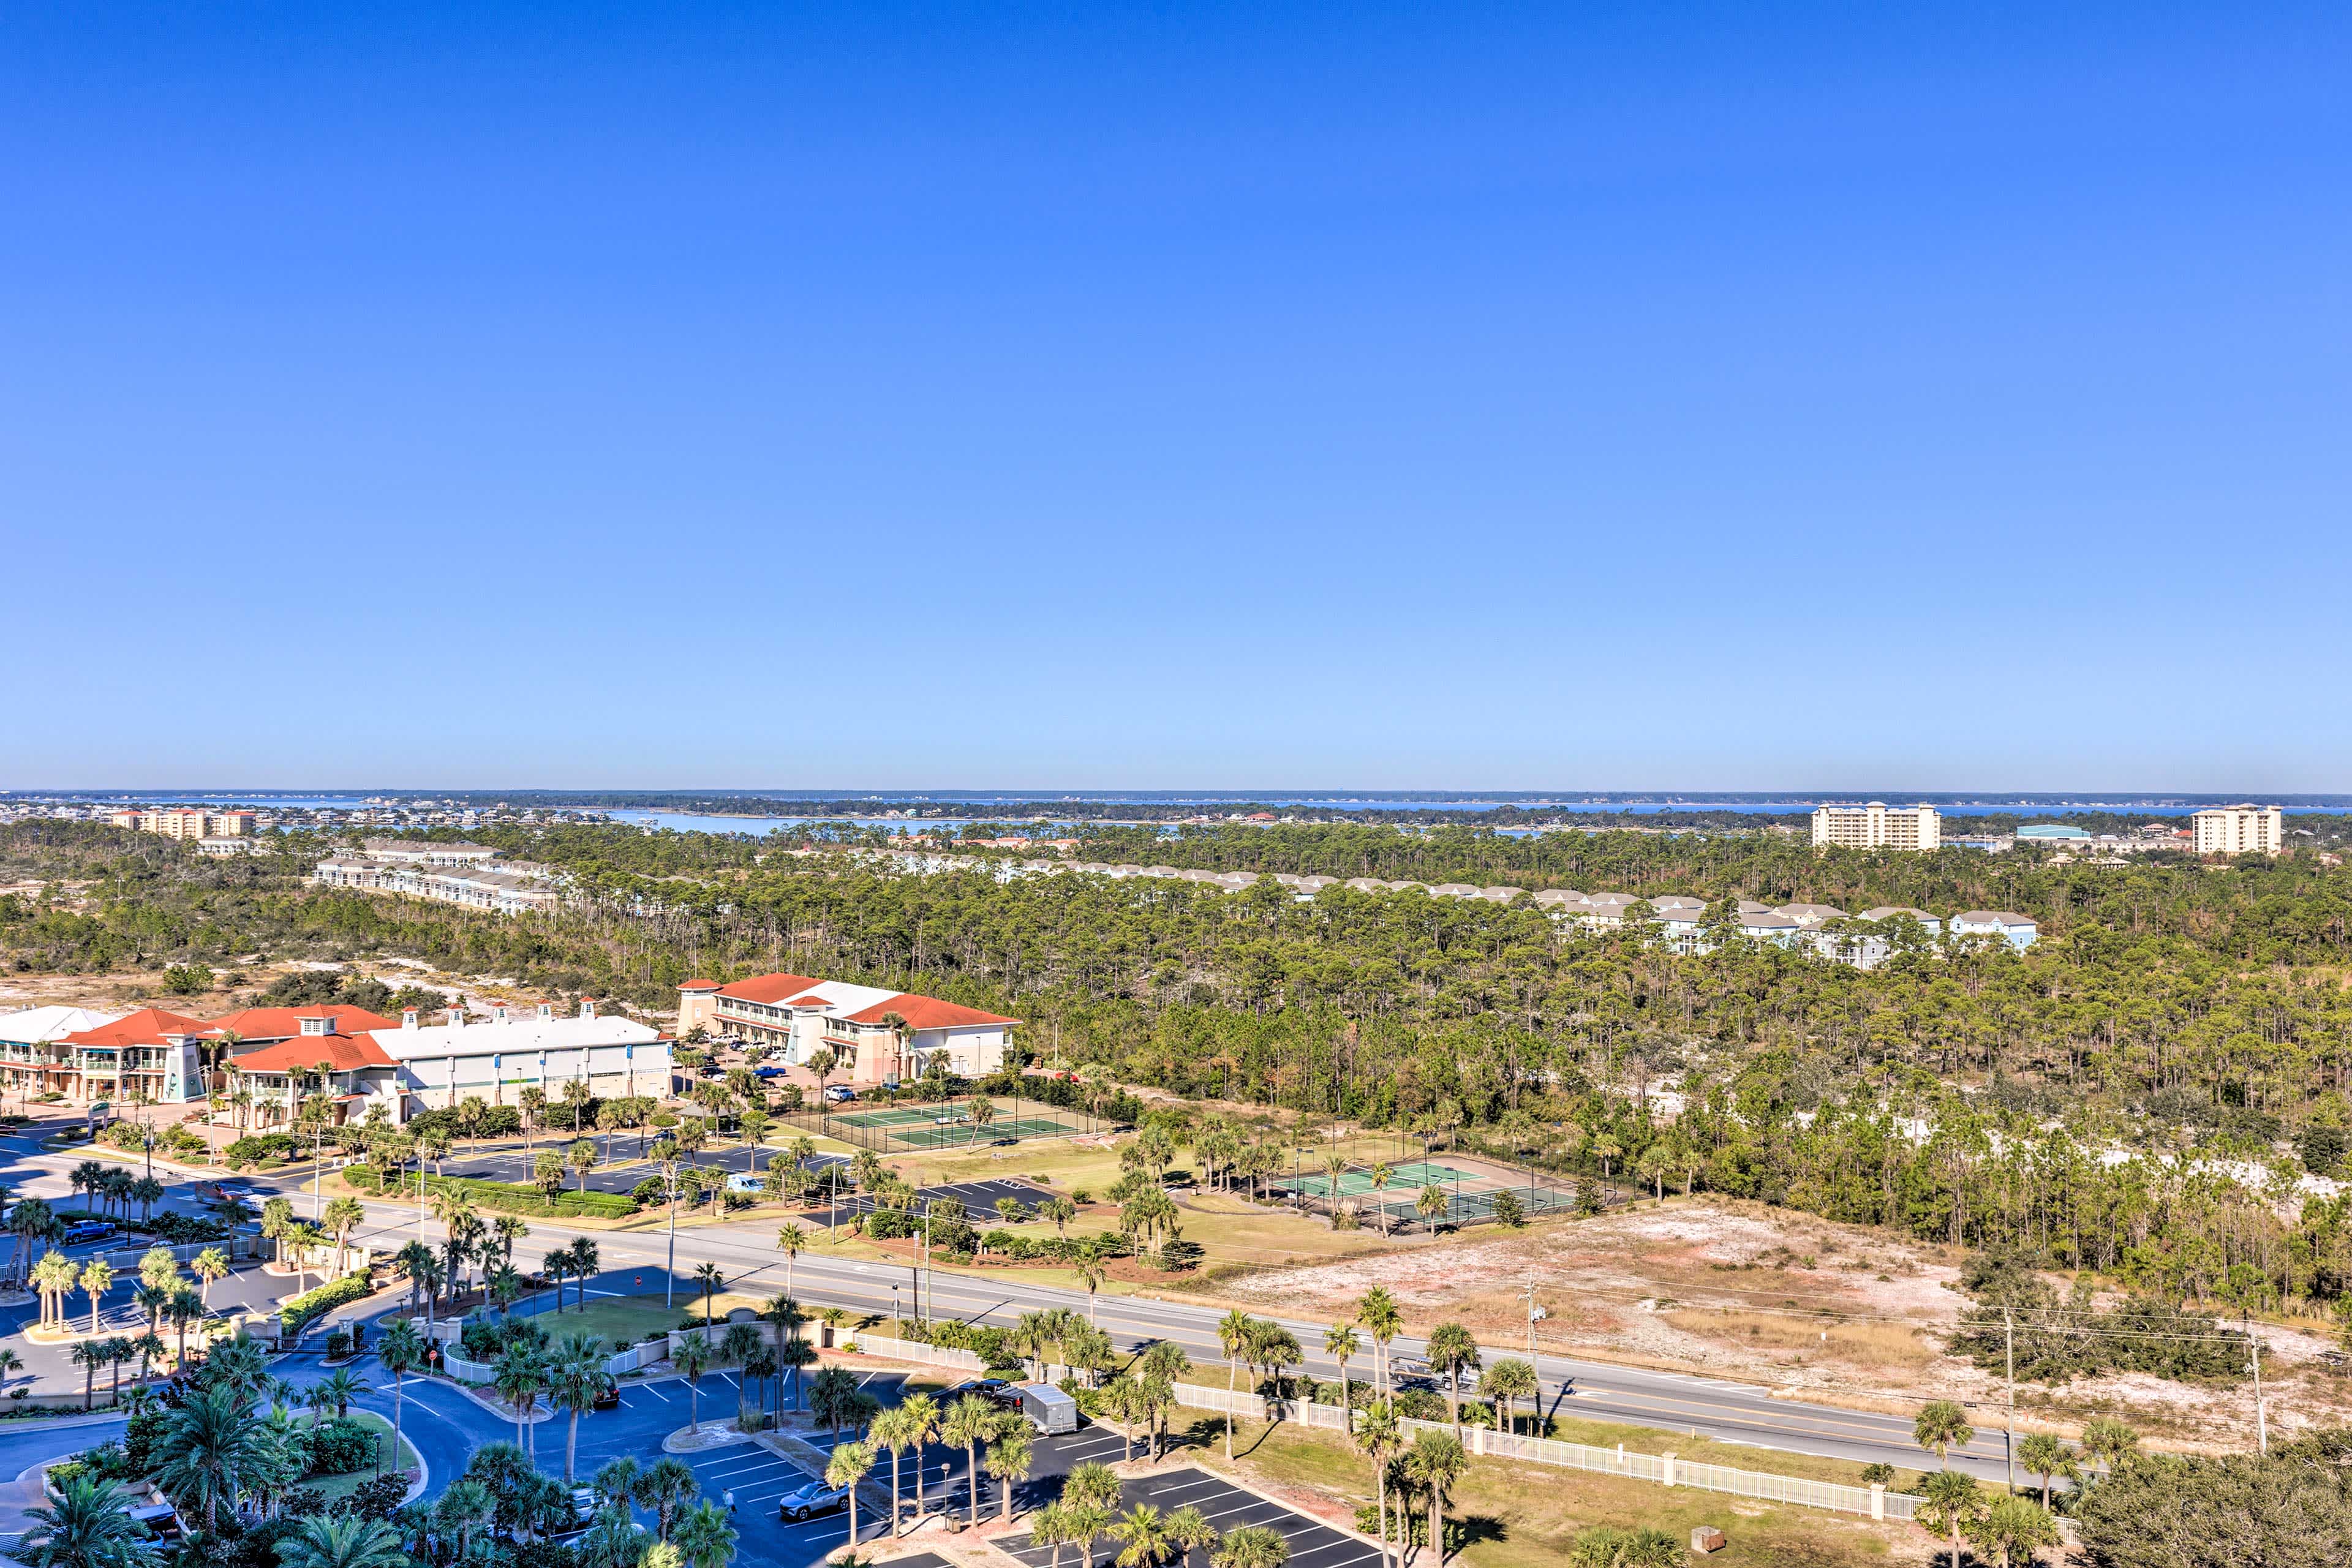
(1470, 1193)
(1410, 1176)
(945, 1124)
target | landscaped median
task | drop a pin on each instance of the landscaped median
(503, 1198)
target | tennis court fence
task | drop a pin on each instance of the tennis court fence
(1663, 1469)
(943, 1125)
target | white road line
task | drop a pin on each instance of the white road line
(648, 1388)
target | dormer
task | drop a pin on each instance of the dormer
(546, 1011)
(317, 1023)
(587, 1007)
(408, 1017)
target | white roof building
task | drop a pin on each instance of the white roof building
(39, 1025)
(444, 1064)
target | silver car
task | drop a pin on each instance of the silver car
(810, 1500)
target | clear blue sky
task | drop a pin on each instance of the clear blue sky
(1639, 396)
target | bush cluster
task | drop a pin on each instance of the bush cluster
(305, 1308)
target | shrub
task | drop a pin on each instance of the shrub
(305, 1308)
(514, 1197)
(338, 1447)
(378, 1497)
(649, 1191)
(179, 1230)
(187, 980)
(1179, 1255)
(256, 1147)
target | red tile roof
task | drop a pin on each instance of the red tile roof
(147, 1026)
(284, 1023)
(339, 1053)
(698, 985)
(927, 1012)
(768, 988)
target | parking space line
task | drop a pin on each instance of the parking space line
(648, 1388)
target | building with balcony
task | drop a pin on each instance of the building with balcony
(1877, 826)
(2240, 830)
(510, 888)
(150, 1056)
(441, 1066)
(186, 822)
(795, 1017)
(2018, 931)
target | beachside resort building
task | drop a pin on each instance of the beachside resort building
(875, 1036)
(1877, 826)
(2240, 830)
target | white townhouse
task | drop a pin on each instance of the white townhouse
(442, 1065)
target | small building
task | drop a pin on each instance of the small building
(1932, 924)
(2016, 930)
(2050, 833)
(1808, 916)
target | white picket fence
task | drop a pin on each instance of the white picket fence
(1664, 1470)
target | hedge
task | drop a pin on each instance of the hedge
(302, 1308)
(510, 1197)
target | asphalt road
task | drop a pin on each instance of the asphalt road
(1731, 1412)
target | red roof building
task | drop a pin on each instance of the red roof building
(875, 1036)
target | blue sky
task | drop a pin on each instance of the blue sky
(1632, 396)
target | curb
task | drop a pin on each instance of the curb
(680, 1441)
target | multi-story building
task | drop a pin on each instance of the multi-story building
(2240, 830)
(1877, 826)
(511, 889)
(33, 1056)
(875, 1036)
(151, 1055)
(425, 852)
(186, 822)
(442, 1065)
(2018, 931)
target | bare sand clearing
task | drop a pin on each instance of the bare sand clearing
(1739, 1289)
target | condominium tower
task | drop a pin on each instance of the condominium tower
(1877, 826)
(2240, 830)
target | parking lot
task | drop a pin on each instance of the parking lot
(1227, 1508)
(979, 1200)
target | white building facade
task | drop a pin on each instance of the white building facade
(1877, 826)
(2240, 830)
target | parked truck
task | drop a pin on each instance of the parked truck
(1049, 1409)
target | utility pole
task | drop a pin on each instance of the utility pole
(1535, 1315)
(2262, 1423)
(2009, 1356)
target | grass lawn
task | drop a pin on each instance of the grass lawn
(343, 1486)
(1528, 1516)
(619, 1320)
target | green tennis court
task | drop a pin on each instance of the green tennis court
(943, 1124)
(1411, 1176)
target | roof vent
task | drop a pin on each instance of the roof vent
(497, 1014)
(587, 1007)
(408, 1017)
(546, 1010)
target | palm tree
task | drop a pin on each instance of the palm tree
(692, 1358)
(1236, 1331)
(792, 1241)
(347, 1541)
(1050, 1526)
(578, 1379)
(851, 1461)
(208, 1449)
(465, 1508)
(88, 1526)
(1339, 1343)
(1435, 1462)
(341, 1387)
(1189, 1528)
(2013, 1525)
(1009, 1459)
(611, 1542)
(1953, 1504)
(1091, 1490)
(11, 1363)
(893, 1432)
(2109, 1441)
(664, 1488)
(922, 1426)
(97, 1280)
(519, 1377)
(705, 1539)
(210, 1265)
(400, 1351)
(968, 1425)
(1142, 1533)
(1432, 1204)
(1453, 1351)
(1251, 1546)
(1942, 1425)
(1381, 1318)
(186, 1307)
(88, 1355)
(711, 1277)
(1379, 1436)
(2048, 1456)
(1508, 1381)
(342, 1218)
(796, 1357)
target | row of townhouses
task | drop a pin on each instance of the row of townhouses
(467, 874)
(1674, 919)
